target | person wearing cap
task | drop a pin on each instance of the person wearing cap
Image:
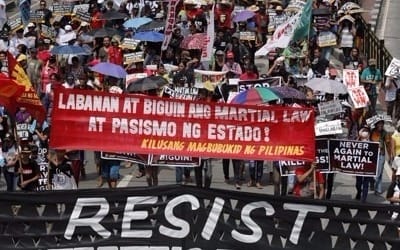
(31, 35)
(28, 170)
(10, 154)
(279, 18)
(371, 79)
(232, 68)
(45, 12)
(16, 40)
(183, 25)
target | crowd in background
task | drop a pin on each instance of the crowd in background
(302, 59)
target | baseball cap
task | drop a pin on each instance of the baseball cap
(31, 25)
(25, 149)
(67, 27)
(219, 53)
(230, 55)
(372, 61)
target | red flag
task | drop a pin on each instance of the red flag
(10, 91)
(29, 98)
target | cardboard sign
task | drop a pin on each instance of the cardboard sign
(331, 107)
(376, 118)
(81, 7)
(354, 157)
(359, 97)
(183, 93)
(394, 68)
(61, 9)
(326, 39)
(15, 24)
(174, 161)
(36, 16)
(328, 128)
(133, 57)
(47, 31)
(22, 131)
(247, 36)
(287, 168)
(129, 43)
(351, 78)
(83, 16)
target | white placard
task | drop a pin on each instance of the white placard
(351, 78)
(328, 128)
(359, 97)
(394, 68)
(331, 107)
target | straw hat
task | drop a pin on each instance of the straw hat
(253, 8)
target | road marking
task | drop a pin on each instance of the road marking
(125, 181)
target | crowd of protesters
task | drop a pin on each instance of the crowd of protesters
(304, 59)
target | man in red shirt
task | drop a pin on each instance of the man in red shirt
(305, 178)
(250, 73)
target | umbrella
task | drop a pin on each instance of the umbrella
(149, 36)
(255, 96)
(103, 32)
(136, 22)
(147, 83)
(195, 41)
(152, 26)
(113, 15)
(109, 69)
(243, 15)
(326, 86)
(68, 50)
(286, 92)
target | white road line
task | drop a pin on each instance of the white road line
(125, 181)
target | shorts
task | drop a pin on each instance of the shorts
(110, 172)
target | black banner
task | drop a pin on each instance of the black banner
(174, 161)
(322, 155)
(183, 217)
(354, 157)
(244, 85)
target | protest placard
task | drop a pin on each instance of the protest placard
(47, 31)
(174, 161)
(15, 23)
(133, 57)
(351, 78)
(359, 97)
(394, 68)
(244, 85)
(247, 36)
(81, 7)
(330, 107)
(83, 16)
(328, 128)
(36, 16)
(326, 39)
(129, 43)
(354, 157)
(43, 162)
(22, 131)
(376, 118)
(61, 9)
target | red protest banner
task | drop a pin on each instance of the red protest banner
(140, 124)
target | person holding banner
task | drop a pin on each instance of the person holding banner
(309, 182)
